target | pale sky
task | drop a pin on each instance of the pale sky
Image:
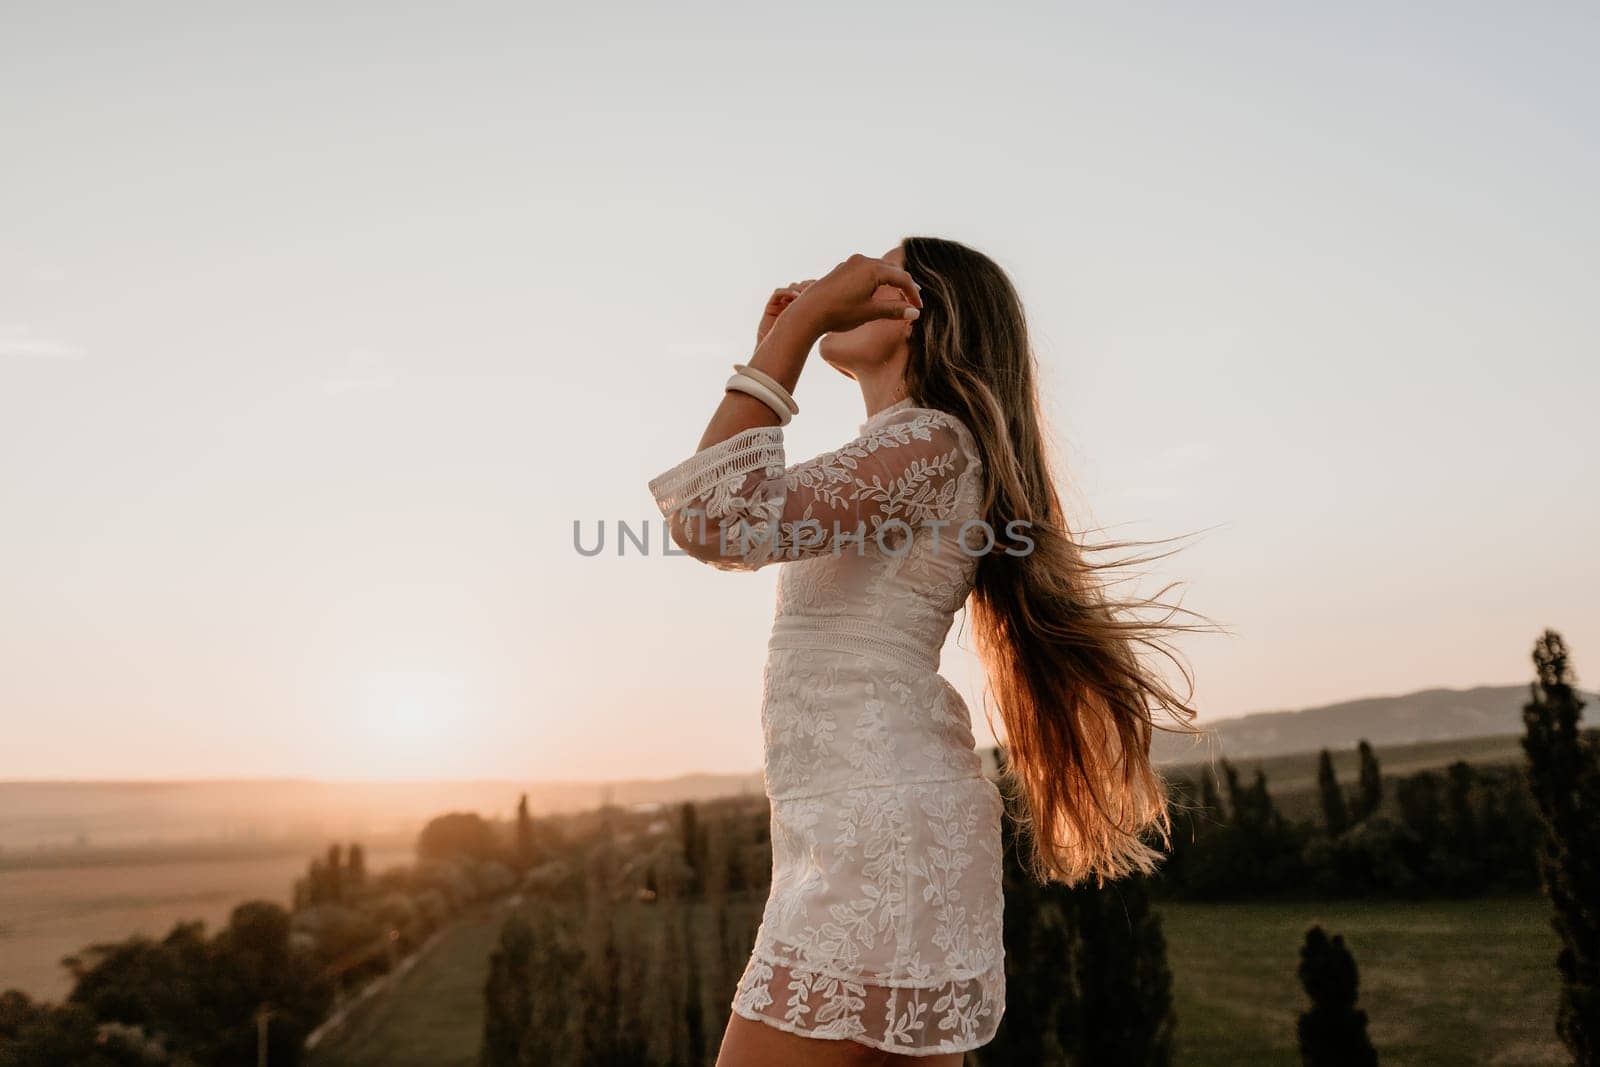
(318, 330)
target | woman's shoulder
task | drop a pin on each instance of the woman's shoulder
(950, 423)
(906, 412)
(906, 424)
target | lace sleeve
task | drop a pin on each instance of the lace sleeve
(736, 506)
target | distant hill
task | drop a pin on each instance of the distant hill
(1427, 715)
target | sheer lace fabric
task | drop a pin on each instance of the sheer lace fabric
(883, 924)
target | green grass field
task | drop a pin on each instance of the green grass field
(432, 1016)
(1448, 983)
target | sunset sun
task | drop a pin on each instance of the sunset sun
(405, 710)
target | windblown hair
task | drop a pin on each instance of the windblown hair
(1069, 664)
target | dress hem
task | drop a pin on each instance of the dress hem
(926, 984)
(861, 1039)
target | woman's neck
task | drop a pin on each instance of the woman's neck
(881, 389)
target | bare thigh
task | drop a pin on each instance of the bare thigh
(747, 1043)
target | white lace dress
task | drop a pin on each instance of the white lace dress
(884, 920)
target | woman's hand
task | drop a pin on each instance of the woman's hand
(781, 298)
(852, 293)
(857, 291)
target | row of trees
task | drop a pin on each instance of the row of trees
(1559, 797)
(1461, 831)
(628, 948)
(1338, 811)
(185, 998)
(263, 982)
(631, 941)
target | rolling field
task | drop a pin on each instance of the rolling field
(47, 912)
(1442, 982)
(1451, 983)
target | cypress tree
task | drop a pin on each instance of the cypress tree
(1250, 805)
(1464, 834)
(1334, 815)
(508, 995)
(1210, 798)
(1564, 779)
(1124, 1007)
(1259, 811)
(356, 867)
(1418, 797)
(1238, 798)
(691, 845)
(1334, 1032)
(1040, 1025)
(1087, 980)
(335, 874)
(317, 882)
(524, 834)
(1370, 792)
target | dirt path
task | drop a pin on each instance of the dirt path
(433, 1015)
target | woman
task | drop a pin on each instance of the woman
(881, 938)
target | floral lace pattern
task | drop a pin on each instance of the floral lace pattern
(883, 925)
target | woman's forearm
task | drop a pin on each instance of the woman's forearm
(782, 354)
(846, 297)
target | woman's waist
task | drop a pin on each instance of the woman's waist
(859, 635)
(840, 784)
(818, 748)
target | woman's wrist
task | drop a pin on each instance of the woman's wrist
(782, 353)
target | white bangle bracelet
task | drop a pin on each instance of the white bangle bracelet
(741, 383)
(771, 383)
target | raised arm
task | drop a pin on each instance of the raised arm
(843, 299)
(736, 505)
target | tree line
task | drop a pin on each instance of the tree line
(1459, 831)
(256, 988)
(630, 941)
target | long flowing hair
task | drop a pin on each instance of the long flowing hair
(1074, 669)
